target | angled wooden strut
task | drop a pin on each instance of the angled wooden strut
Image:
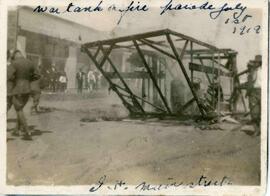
(148, 43)
(99, 67)
(100, 56)
(127, 89)
(152, 76)
(97, 52)
(158, 108)
(178, 59)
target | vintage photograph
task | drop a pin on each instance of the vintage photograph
(161, 97)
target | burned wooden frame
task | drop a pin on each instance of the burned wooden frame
(167, 47)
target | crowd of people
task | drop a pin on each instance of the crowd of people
(54, 80)
(90, 80)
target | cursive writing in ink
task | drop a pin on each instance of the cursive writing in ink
(100, 183)
(203, 181)
(131, 8)
(73, 8)
(170, 6)
(239, 10)
(41, 9)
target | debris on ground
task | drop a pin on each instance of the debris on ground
(208, 127)
(112, 113)
(229, 119)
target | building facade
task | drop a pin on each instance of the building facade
(50, 40)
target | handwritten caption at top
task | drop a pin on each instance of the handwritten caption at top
(238, 11)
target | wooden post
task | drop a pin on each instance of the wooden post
(136, 102)
(152, 76)
(185, 74)
(99, 67)
(191, 60)
(219, 86)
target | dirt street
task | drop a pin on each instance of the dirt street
(67, 151)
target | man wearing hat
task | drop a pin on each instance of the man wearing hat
(254, 92)
(24, 73)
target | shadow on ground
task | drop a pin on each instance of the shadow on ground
(34, 131)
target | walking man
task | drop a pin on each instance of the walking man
(24, 73)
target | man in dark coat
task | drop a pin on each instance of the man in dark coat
(24, 73)
(10, 82)
(80, 77)
(254, 92)
(53, 78)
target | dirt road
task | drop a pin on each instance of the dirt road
(66, 151)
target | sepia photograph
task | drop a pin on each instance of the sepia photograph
(135, 98)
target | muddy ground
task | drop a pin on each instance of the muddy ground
(67, 150)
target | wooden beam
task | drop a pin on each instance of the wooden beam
(186, 105)
(206, 74)
(157, 48)
(210, 57)
(207, 69)
(148, 35)
(183, 50)
(106, 54)
(151, 76)
(97, 51)
(126, 104)
(193, 40)
(123, 81)
(209, 51)
(163, 52)
(133, 75)
(185, 74)
(159, 108)
(127, 38)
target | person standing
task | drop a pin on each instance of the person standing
(36, 92)
(63, 81)
(79, 77)
(91, 80)
(24, 73)
(215, 91)
(96, 74)
(10, 80)
(52, 73)
(254, 92)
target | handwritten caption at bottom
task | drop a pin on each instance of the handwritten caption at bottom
(121, 185)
